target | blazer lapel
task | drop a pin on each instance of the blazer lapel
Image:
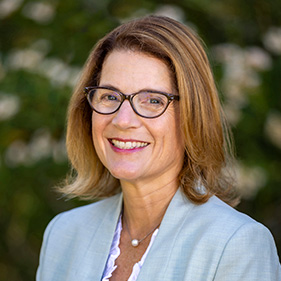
(158, 257)
(94, 261)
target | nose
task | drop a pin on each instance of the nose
(125, 117)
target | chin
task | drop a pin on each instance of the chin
(126, 176)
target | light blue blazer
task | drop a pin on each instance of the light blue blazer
(194, 243)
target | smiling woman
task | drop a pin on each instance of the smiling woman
(146, 129)
(203, 126)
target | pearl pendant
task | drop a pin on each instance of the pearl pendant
(135, 242)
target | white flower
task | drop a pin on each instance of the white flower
(40, 12)
(249, 179)
(7, 7)
(24, 59)
(9, 106)
(33, 59)
(272, 40)
(41, 146)
(258, 58)
(241, 75)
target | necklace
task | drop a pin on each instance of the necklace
(135, 242)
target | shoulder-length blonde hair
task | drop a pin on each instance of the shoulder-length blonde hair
(202, 122)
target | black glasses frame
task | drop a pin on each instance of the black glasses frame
(170, 97)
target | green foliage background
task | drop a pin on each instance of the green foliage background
(44, 44)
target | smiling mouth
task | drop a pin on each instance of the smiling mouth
(128, 144)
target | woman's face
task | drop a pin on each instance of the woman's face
(158, 147)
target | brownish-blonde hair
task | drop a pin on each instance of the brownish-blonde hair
(203, 125)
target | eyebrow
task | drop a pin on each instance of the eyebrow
(141, 90)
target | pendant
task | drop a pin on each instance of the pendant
(135, 242)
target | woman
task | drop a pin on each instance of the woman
(145, 128)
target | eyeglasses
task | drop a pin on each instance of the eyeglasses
(147, 104)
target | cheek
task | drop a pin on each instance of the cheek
(168, 130)
(172, 124)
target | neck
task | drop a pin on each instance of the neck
(145, 205)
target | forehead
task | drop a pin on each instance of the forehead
(134, 71)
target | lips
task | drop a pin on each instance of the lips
(128, 144)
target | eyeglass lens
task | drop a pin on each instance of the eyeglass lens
(147, 104)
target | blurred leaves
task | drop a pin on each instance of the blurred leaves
(43, 46)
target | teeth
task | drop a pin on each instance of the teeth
(128, 144)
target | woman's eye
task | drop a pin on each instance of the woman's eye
(150, 100)
(154, 101)
(111, 97)
(108, 97)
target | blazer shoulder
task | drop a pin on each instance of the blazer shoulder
(209, 239)
(83, 217)
(251, 248)
(218, 222)
(221, 213)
